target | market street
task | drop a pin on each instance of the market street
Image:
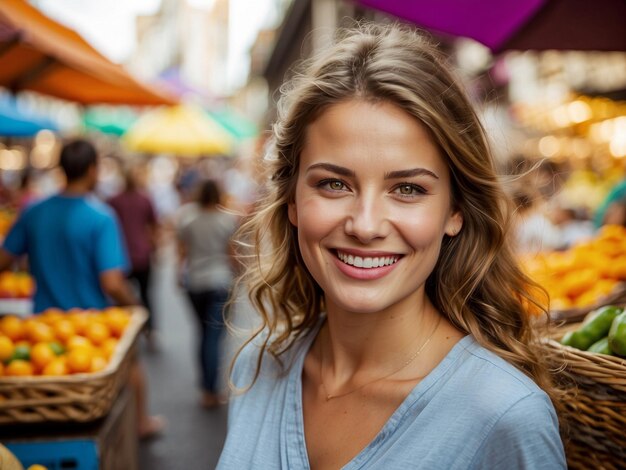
(194, 436)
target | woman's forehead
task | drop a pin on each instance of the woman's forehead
(357, 132)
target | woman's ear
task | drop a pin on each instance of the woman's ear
(292, 212)
(455, 223)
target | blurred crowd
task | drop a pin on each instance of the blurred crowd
(544, 218)
(140, 206)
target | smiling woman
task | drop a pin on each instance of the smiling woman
(386, 194)
(394, 330)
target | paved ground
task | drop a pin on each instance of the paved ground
(194, 436)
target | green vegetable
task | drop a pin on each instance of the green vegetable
(597, 324)
(578, 339)
(601, 347)
(57, 348)
(617, 335)
(21, 351)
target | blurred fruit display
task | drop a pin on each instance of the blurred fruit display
(7, 217)
(58, 343)
(586, 273)
(16, 285)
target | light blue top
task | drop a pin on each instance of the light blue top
(70, 241)
(473, 411)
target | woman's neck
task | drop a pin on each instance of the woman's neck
(374, 343)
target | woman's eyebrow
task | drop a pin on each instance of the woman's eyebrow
(340, 170)
(410, 173)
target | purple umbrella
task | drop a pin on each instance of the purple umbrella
(519, 24)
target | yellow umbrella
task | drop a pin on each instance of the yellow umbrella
(182, 130)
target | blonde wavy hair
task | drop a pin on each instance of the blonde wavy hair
(476, 283)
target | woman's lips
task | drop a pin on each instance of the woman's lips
(367, 262)
(365, 266)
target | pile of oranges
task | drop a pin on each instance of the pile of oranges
(59, 343)
(584, 274)
(16, 285)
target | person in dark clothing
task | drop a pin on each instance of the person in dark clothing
(139, 225)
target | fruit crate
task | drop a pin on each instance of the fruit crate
(594, 404)
(72, 398)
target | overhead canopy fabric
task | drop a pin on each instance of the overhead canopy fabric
(520, 24)
(180, 130)
(237, 126)
(39, 54)
(115, 120)
(17, 122)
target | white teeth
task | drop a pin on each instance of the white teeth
(367, 262)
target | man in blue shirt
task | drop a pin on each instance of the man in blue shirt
(74, 244)
(76, 252)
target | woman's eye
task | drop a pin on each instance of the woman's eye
(410, 190)
(333, 185)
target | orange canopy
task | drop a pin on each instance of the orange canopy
(39, 54)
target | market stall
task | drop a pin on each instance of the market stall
(587, 344)
(64, 387)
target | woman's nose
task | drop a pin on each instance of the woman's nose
(367, 219)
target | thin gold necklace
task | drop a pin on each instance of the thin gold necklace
(406, 363)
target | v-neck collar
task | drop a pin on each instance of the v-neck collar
(292, 431)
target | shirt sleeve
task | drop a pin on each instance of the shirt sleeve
(525, 437)
(110, 249)
(16, 241)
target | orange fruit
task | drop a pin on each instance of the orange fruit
(53, 311)
(1, 369)
(6, 348)
(108, 347)
(79, 360)
(117, 319)
(63, 329)
(96, 316)
(80, 321)
(52, 314)
(97, 332)
(36, 466)
(40, 332)
(19, 368)
(29, 325)
(13, 327)
(56, 367)
(77, 341)
(41, 355)
(114, 310)
(25, 285)
(75, 311)
(97, 363)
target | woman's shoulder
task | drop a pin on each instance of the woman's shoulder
(519, 420)
(493, 384)
(270, 367)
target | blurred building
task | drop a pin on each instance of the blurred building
(191, 40)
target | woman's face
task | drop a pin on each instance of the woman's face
(372, 205)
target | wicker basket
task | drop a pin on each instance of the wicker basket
(78, 397)
(594, 414)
